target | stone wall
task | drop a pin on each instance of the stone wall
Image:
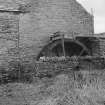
(8, 36)
(102, 46)
(44, 18)
(26, 71)
(87, 63)
(99, 45)
(47, 17)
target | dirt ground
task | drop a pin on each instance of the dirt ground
(81, 88)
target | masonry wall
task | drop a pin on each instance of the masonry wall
(44, 18)
(47, 17)
(98, 46)
(102, 46)
(8, 37)
(51, 67)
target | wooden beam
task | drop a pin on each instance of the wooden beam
(63, 45)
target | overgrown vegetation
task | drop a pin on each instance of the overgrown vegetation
(22, 71)
(16, 72)
(75, 88)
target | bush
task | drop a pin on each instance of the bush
(16, 71)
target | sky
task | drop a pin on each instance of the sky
(98, 7)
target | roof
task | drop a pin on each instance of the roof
(12, 6)
(9, 10)
(15, 10)
(101, 35)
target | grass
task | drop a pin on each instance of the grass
(79, 88)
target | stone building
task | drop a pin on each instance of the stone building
(30, 29)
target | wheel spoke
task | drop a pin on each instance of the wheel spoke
(82, 51)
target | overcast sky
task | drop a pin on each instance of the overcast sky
(98, 11)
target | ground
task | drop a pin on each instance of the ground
(79, 88)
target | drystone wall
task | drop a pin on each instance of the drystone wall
(72, 63)
(26, 71)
